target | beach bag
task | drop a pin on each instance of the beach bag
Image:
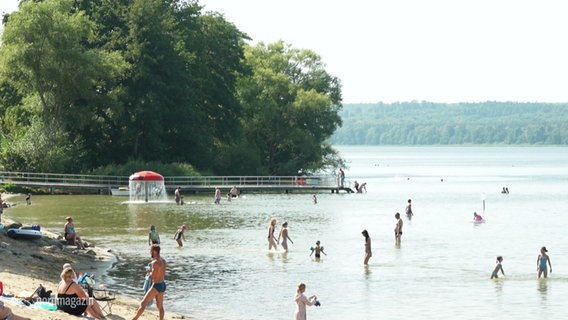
(41, 294)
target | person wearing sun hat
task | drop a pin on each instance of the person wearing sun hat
(541, 261)
(180, 234)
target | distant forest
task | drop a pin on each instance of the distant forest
(426, 123)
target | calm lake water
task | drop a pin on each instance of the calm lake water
(441, 270)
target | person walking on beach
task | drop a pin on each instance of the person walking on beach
(153, 236)
(368, 252)
(180, 234)
(158, 273)
(177, 195)
(284, 235)
(302, 301)
(397, 228)
(541, 261)
(217, 195)
(497, 268)
(408, 209)
(271, 241)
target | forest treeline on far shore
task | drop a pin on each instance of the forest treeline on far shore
(428, 123)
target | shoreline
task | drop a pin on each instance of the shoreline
(26, 264)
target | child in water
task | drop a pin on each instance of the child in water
(153, 236)
(318, 250)
(180, 234)
(497, 268)
(541, 261)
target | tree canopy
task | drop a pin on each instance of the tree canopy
(102, 82)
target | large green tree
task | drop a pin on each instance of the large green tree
(44, 58)
(291, 107)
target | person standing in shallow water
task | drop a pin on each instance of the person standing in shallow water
(498, 267)
(271, 241)
(302, 301)
(284, 235)
(177, 195)
(158, 274)
(541, 261)
(368, 252)
(153, 236)
(397, 228)
(408, 209)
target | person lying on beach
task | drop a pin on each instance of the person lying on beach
(71, 298)
(6, 313)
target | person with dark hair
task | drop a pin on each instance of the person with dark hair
(397, 228)
(541, 261)
(71, 234)
(157, 274)
(408, 209)
(497, 268)
(177, 195)
(284, 236)
(368, 252)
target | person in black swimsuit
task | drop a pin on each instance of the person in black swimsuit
(71, 298)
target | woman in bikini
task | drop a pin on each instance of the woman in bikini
(284, 235)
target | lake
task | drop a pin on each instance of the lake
(441, 269)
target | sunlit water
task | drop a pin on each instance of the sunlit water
(441, 270)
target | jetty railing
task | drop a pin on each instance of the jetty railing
(101, 181)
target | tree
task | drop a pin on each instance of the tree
(60, 80)
(290, 108)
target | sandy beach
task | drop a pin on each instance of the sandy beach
(25, 264)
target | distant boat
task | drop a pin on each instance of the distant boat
(121, 191)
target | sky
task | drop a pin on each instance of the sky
(404, 50)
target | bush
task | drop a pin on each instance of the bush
(165, 169)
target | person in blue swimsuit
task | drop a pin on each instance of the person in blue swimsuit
(158, 273)
(541, 261)
(498, 267)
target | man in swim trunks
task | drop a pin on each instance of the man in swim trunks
(157, 274)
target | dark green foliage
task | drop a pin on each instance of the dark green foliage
(148, 82)
(427, 123)
(126, 169)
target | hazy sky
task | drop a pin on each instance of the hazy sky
(434, 50)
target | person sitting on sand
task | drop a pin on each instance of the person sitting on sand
(71, 298)
(68, 266)
(71, 235)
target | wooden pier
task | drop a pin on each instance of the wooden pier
(189, 184)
